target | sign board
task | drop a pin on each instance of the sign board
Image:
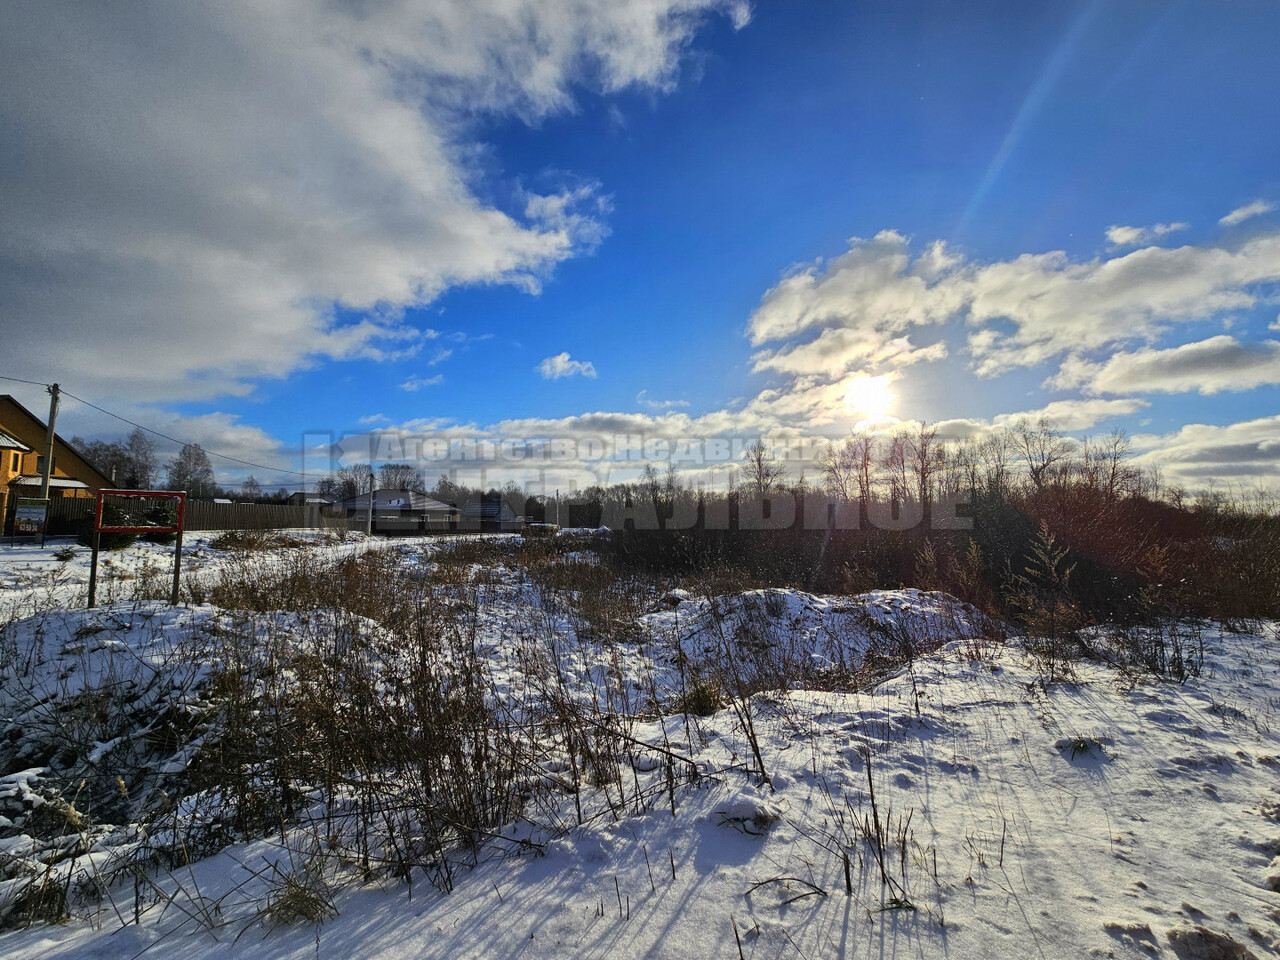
(139, 511)
(30, 516)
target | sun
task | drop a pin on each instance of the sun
(870, 396)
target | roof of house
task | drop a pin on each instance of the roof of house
(409, 500)
(56, 483)
(37, 426)
(488, 508)
(12, 443)
(303, 497)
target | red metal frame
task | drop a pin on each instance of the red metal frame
(138, 495)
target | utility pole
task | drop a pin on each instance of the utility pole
(48, 444)
(368, 523)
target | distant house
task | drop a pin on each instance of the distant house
(401, 511)
(490, 515)
(22, 443)
(304, 499)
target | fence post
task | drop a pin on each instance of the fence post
(93, 571)
(177, 569)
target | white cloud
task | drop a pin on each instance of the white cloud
(1197, 454)
(414, 384)
(642, 398)
(1206, 366)
(872, 288)
(1058, 306)
(1240, 214)
(1072, 415)
(838, 349)
(222, 435)
(553, 368)
(1120, 236)
(205, 193)
(1022, 311)
(862, 304)
(440, 356)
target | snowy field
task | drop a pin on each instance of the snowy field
(34, 578)
(953, 805)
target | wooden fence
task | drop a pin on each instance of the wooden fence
(66, 514)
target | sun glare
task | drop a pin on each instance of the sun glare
(870, 396)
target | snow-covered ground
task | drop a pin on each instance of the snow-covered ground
(961, 807)
(34, 578)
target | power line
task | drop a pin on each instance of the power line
(224, 456)
(165, 436)
(34, 383)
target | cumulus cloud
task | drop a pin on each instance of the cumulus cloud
(1206, 366)
(1058, 306)
(1250, 210)
(198, 196)
(873, 287)
(1021, 312)
(839, 349)
(561, 365)
(861, 305)
(1072, 415)
(226, 437)
(1119, 236)
(1198, 453)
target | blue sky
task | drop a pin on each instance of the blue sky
(253, 230)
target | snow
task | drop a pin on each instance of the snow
(1115, 815)
(33, 579)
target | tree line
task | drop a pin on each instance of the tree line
(133, 464)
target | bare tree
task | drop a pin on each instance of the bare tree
(110, 459)
(924, 456)
(141, 451)
(191, 471)
(839, 473)
(353, 480)
(1041, 447)
(862, 450)
(995, 454)
(130, 464)
(962, 467)
(251, 489)
(763, 468)
(893, 458)
(1113, 452)
(400, 476)
(848, 469)
(671, 485)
